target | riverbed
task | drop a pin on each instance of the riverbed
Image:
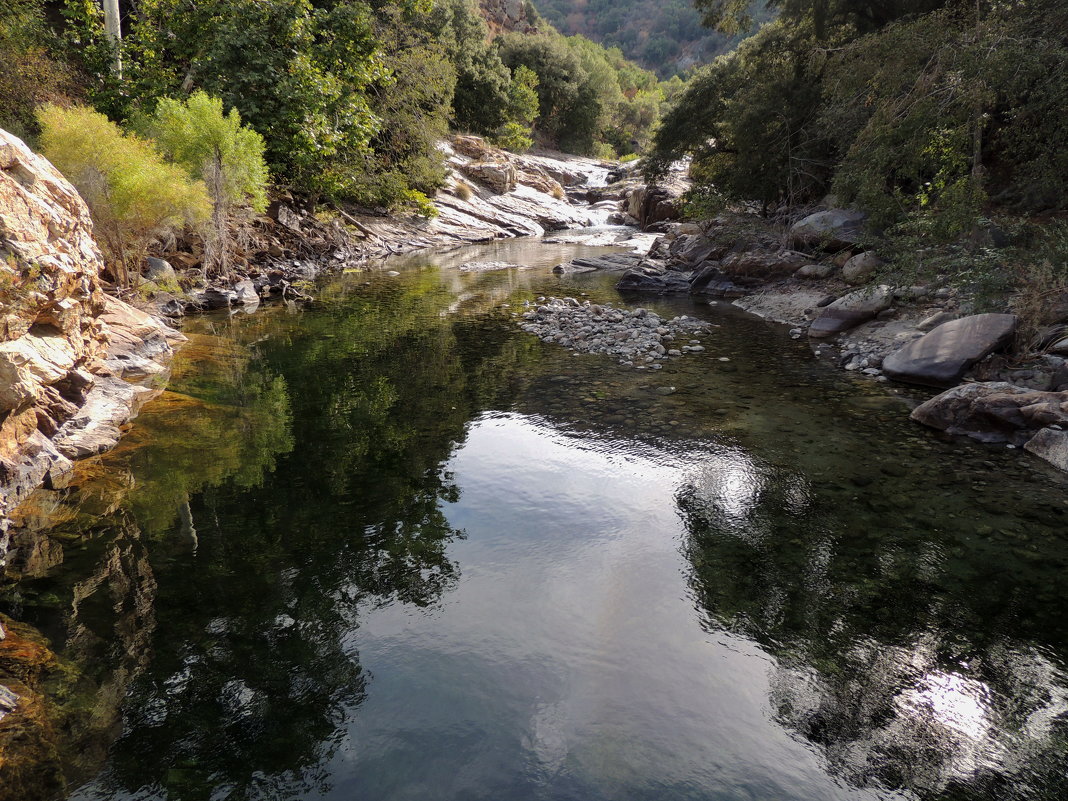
(391, 546)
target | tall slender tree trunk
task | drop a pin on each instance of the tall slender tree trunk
(113, 29)
(218, 216)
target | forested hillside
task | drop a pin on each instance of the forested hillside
(665, 36)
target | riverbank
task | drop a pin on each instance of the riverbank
(815, 276)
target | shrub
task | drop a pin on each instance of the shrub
(463, 191)
(215, 146)
(514, 136)
(132, 193)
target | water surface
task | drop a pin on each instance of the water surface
(391, 547)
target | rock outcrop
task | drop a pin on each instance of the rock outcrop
(65, 347)
(850, 311)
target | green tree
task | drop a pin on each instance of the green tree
(33, 72)
(132, 193)
(215, 146)
(298, 72)
(522, 110)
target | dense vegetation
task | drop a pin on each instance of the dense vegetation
(350, 97)
(931, 115)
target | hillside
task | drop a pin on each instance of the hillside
(665, 36)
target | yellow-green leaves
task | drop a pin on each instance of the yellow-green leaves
(197, 134)
(132, 193)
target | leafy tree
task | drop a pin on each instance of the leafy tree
(215, 146)
(132, 193)
(521, 111)
(748, 121)
(298, 73)
(412, 105)
(32, 72)
(481, 96)
(734, 16)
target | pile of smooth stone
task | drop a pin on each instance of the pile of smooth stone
(638, 338)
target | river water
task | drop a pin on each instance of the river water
(391, 547)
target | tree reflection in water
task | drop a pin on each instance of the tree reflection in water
(912, 663)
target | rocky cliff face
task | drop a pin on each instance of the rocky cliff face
(503, 16)
(65, 347)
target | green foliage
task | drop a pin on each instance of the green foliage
(523, 96)
(514, 137)
(32, 71)
(198, 135)
(481, 96)
(132, 193)
(587, 96)
(297, 73)
(215, 146)
(412, 105)
(747, 120)
(520, 113)
(934, 115)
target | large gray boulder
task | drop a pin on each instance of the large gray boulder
(940, 357)
(1050, 444)
(831, 229)
(997, 411)
(861, 267)
(851, 310)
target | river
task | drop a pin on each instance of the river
(391, 547)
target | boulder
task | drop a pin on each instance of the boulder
(815, 270)
(941, 357)
(246, 293)
(652, 204)
(851, 310)
(996, 411)
(764, 264)
(499, 175)
(831, 229)
(693, 249)
(613, 262)
(860, 267)
(159, 271)
(935, 320)
(1050, 444)
(214, 298)
(711, 282)
(647, 278)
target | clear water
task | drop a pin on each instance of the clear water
(393, 548)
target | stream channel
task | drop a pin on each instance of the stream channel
(392, 547)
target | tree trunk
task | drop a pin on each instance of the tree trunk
(113, 28)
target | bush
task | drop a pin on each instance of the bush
(215, 146)
(514, 136)
(133, 194)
